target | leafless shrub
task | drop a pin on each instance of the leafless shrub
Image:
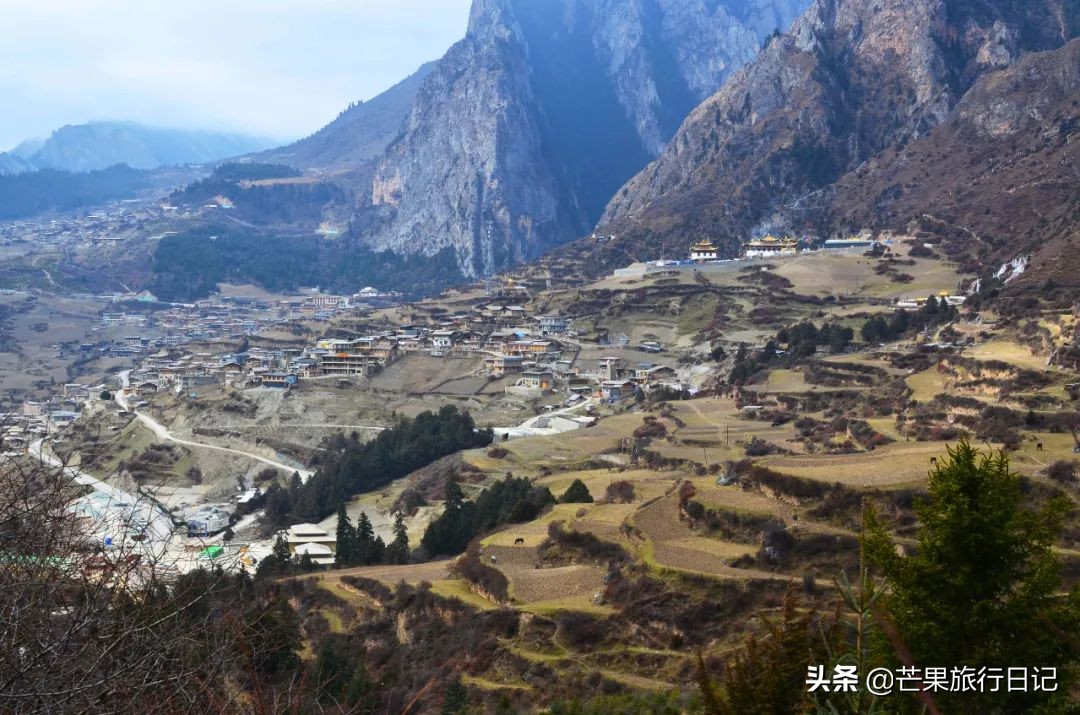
(95, 617)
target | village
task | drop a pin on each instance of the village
(534, 353)
(562, 370)
(170, 350)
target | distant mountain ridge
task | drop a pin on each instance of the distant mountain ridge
(98, 145)
(358, 135)
(11, 164)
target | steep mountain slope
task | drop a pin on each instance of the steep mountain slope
(12, 164)
(98, 145)
(526, 127)
(852, 79)
(17, 161)
(997, 179)
(31, 193)
(358, 135)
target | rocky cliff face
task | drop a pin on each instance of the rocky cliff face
(526, 127)
(852, 79)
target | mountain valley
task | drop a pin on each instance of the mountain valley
(636, 356)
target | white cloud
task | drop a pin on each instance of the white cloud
(274, 67)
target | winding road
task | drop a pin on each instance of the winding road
(162, 433)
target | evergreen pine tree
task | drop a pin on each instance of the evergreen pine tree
(364, 530)
(768, 674)
(983, 586)
(455, 698)
(365, 540)
(451, 532)
(576, 493)
(278, 562)
(281, 549)
(346, 538)
(398, 550)
(376, 551)
(306, 564)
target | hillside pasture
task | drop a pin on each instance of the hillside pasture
(1010, 352)
(892, 466)
(849, 273)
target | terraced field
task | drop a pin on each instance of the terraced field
(1010, 352)
(926, 385)
(892, 466)
(533, 532)
(670, 543)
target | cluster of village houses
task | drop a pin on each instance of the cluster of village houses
(38, 418)
(233, 317)
(534, 355)
(108, 226)
(532, 352)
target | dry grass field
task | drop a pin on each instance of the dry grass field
(1010, 352)
(851, 273)
(32, 364)
(670, 544)
(926, 385)
(892, 466)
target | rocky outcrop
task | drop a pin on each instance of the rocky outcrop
(852, 79)
(466, 171)
(525, 128)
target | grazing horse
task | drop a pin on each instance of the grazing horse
(1039, 447)
(519, 541)
(933, 461)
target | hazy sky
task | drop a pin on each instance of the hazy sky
(280, 68)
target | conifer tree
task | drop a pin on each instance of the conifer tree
(398, 550)
(365, 532)
(451, 532)
(346, 538)
(365, 540)
(306, 563)
(983, 587)
(281, 549)
(768, 674)
(576, 493)
(376, 553)
(279, 561)
(455, 698)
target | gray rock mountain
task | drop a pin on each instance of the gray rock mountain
(853, 79)
(523, 131)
